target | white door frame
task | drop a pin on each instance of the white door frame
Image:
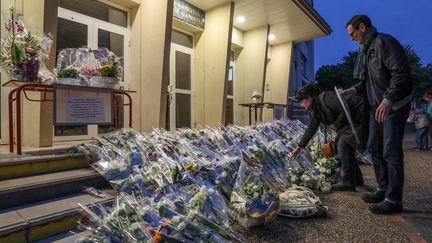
(172, 87)
(93, 25)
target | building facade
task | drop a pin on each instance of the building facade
(191, 62)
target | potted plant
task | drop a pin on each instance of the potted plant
(22, 53)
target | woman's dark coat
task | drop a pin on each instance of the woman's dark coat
(327, 109)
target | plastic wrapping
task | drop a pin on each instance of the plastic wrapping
(253, 200)
(82, 66)
(22, 53)
(195, 184)
(299, 202)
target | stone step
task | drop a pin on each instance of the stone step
(31, 189)
(71, 236)
(19, 166)
(38, 221)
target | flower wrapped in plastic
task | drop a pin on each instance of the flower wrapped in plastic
(109, 71)
(299, 202)
(253, 200)
(87, 67)
(22, 53)
(194, 184)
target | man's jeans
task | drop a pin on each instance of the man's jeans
(351, 173)
(421, 136)
(385, 143)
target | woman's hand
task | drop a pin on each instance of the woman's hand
(333, 126)
(296, 151)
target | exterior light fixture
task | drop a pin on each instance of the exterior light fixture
(271, 37)
(241, 19)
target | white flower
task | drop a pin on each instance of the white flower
(182, 226)
(326, 187)
(328, 171)
(176, 219)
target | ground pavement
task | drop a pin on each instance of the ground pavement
(348, 217)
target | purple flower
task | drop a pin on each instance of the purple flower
(20, 27)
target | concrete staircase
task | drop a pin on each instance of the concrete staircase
(39, 195)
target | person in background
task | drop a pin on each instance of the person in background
(325, 107)
(422, 123)
(428, 97)
(385, 81)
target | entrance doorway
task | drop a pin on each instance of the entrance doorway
(181, 88)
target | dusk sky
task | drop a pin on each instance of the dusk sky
(410, 21)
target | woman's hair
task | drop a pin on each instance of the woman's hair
(309, 90)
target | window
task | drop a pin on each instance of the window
(97, 10)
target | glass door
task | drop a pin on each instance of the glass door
(77, 30)
(181, 88)
(230, 100)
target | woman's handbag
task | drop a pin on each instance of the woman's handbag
(329, 149)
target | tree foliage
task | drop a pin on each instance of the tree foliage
(341, 74)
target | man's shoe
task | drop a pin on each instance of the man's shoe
(385, 207)
(373, 197)
(342, 187)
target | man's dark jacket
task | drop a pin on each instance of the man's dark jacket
(327, 109)
(389, 72)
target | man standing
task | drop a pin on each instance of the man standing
(384, 76)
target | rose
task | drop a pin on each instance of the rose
(29, 49)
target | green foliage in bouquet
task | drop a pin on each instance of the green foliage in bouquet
(33, 47)
(69, 72)
(17, 54)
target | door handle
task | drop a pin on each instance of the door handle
(170, 93)
(170, 89)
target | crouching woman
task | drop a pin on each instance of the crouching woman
(325, 107)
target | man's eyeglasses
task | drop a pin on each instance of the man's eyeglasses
(353, 32)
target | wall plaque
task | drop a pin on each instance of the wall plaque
(188, 13)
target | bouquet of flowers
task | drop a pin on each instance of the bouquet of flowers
(23, 53)
(297, 202)
(87, 67)
(194, 184)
